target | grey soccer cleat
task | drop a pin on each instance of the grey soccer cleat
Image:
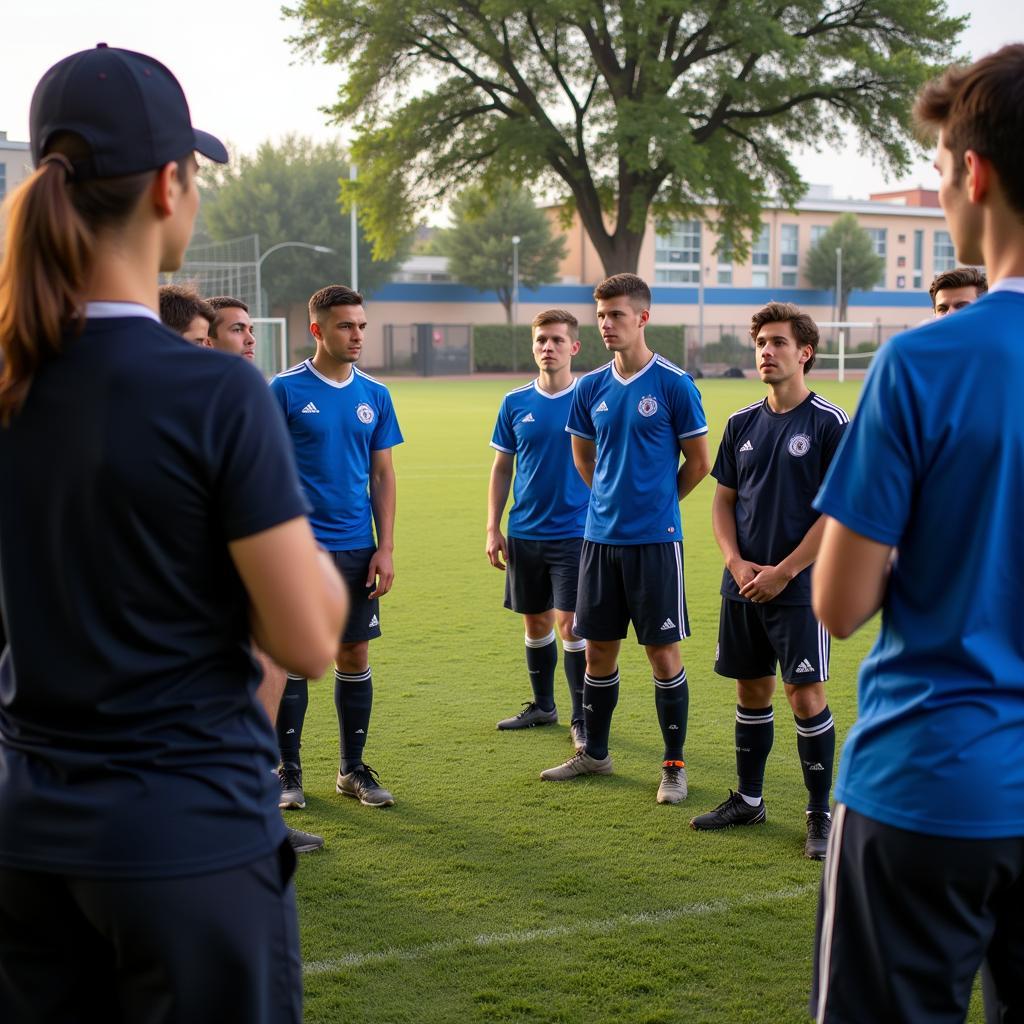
(579, 764)
(530, 716)
(732, 811)
(292, 797)
(673, 788)
(578, 734)
(362, 783)
(304, 842)
(819, 826)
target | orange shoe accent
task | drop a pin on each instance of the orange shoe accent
(673, 764)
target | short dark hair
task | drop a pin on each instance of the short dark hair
(804, 327)
(634, 288)
(558, 316)
(331, 296)
(180, 304)
(980, 106)
(219, 302)
(961, 277)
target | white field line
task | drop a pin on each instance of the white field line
(522, 938)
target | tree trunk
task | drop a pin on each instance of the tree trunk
(620, 251)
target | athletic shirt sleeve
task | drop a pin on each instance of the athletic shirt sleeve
(870, 484)
(504, 438)
(280, 393)
(724, 469)
(832, 438)
(255, 484)
(688, 417)
(580, 422)
(386, 434)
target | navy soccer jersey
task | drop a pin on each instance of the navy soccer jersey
(776, 462)
(933, 464)
(637, 424)
(131, 745)
(335, 429)
(549, 497)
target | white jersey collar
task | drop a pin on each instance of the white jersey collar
(110, 310)
(639, 373)
(327, 380)
(558, 394)
(1008, 284)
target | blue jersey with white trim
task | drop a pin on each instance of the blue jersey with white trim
(637, 424)
(335, 428)
(549, 497)
(775, 462)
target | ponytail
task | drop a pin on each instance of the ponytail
(48, 252)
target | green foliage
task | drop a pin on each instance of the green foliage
(479, 246)
(289, 193)
(492, 347)
(621, 109)
(862, 266)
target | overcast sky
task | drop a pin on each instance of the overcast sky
(245, 85)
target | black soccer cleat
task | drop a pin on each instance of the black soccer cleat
(292, 796)
(304, 842)
(819, 827)
(530, 716)
(732, 811)
(363, 784)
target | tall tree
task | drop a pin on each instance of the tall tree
(623, 109)
(480, 250)
(289, 193)
(862, 266)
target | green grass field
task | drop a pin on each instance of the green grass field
(486, 895)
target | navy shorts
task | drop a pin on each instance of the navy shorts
(905, 919)
(542, 574)
(219, 948)
(364, 615)
(638, 583)
(753, 639)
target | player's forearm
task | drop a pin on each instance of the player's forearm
(805, 552)
(723, 524)
(696, 464)
(383, 497)
(497, 498)
(584, 458)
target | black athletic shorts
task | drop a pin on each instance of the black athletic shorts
(905, 919)
(364, 615)
(219, 948)
(642, 583)
(753, 638)
(542, 574)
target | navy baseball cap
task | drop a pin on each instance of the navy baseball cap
(128, 107)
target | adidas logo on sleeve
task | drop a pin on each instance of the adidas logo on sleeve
(601, 408)
(746, 447)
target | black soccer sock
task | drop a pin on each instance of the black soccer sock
(353, 697)
(816, 745)
(600, 695)
(541, 661)
(755, 734)
(672, 699)
(574, 660)
(290, 716)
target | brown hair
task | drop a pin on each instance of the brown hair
(558, 316)
(804, 327)
(180, 305)
(49, 245)
(331, 296)
(981, 107)
(962, 277)
(219, 302)
(634, 288)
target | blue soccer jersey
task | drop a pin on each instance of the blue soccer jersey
(549, 497)
(637, 424)
(335, 428)
(933, 464)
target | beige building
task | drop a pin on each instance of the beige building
(15, 164)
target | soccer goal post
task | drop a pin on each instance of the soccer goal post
(844, 328)
(271, 344)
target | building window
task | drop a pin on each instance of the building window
(943, 254)
(761, 256)
(918, 258)
(901, 239)
(3, 180)
(901, 281)
(759, 279)
(789, 279)
(878, 238)
(677, 253)
(789, 245)
(724, 262)
(817, 230)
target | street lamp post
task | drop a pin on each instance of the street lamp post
(515, 298)
(354, 233)
(272, 249)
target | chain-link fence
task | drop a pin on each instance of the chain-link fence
(223, 268)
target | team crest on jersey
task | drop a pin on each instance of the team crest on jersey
(799, 444)
(364, 412)
(648, 405)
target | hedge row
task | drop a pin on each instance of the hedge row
(493, 352)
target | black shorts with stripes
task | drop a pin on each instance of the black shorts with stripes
(638, 583)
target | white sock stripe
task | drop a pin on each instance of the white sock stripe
(755, 719)
(296, 679)
(574, 645)
(828, 894)
(670, 684)
(816, 730)
(541, 641)
(352, 677)
(590, 681)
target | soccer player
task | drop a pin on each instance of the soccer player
(953, 289)
(186, 313)
(232, 329)
(770, 465)
(343, 428)
(151, 522)
(630, 420)
(545, 526)
(925, 870)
